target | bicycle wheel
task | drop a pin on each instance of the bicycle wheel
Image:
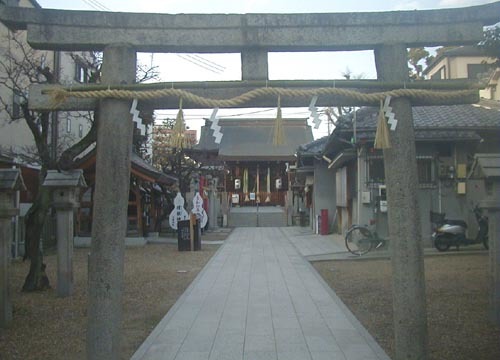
(358, 240)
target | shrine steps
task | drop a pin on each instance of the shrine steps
(257, 216)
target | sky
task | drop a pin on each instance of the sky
(286, 66)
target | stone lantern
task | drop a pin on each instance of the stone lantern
(10, 182)
(65, 187)
(487, 167)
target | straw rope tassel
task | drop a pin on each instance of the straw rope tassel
(179, 139)
(278, 132)
(245, 184)
(258, 184)
(382, 140)
(268, 181)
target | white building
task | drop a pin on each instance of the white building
(466, 62)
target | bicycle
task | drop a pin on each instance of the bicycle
(359, 240)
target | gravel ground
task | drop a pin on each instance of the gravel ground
(48, 327)
(457, 303)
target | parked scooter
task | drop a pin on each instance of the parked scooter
(452, 232)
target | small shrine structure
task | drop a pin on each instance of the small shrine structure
(255, 168)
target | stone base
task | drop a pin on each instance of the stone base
(84, 241)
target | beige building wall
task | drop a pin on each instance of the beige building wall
(457, 68)
(15, 135)
(72, 126)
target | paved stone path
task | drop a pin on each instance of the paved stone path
(258, 298)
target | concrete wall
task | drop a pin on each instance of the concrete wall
(458, 66)
(442, 197)
(324, 193)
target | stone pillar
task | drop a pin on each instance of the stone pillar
(109, 225)
(492, 205)
(225, 208)
(64, 235)
(254, 65)
(10, 182)
(408, 278)
(64, 186)
(212, 203)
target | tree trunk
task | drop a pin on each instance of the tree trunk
(37, 278)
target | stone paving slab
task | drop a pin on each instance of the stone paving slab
(258, 298)
(316, 247)
(309, 244)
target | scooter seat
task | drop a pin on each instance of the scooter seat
(456, 222)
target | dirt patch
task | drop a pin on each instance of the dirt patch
(457, 303)
(48, 327)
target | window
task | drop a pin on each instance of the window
(440, 74)
(80, 130)
(376, 171)
(425, 170)
(444, 149)
(477, 71)
(68, 125)
(81, 73)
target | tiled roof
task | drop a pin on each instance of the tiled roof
(473, 117)
(136, 162)
(432, 135)
(245, 139)
(315, 147)
(469, 50)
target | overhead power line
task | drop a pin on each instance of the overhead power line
(207, 61)
(205, 64)
(95, 4)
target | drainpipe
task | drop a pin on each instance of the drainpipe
(358, 162)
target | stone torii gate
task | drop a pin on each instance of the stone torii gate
(121, 35)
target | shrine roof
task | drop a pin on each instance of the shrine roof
(138, 166)
(482, 116)
(252, 139)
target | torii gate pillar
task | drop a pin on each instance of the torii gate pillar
(408, 278)
(114, 147)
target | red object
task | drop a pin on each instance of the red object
(324, 222)
(203, 185)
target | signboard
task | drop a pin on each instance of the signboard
(199, 211)
(183, 235)
(179, 213)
